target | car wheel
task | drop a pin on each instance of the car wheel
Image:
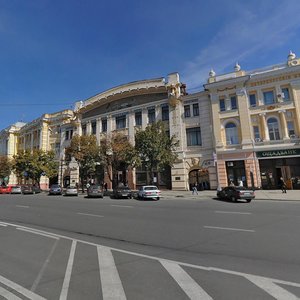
(248, 200)
(157, 198)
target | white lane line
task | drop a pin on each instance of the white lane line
(112, 287)
(65, 287)
(21, 290)
(42, 271)
(232, 212)
(185, 281)
(49, 235)
(4, 225)
(90, 215)
(122, 205)
(228, 228)
(22, 206)
(8, 295)
(271, 288)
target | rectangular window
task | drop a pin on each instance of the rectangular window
(233, 102)
(252, 100)
(83, 128)
(268, 97)
(196, 109)
(222, 104)
(187, 111)
(285, 94)
(193, 136)
(165, 113)
(151, 115)
(69, 134)
(94, 125)
(138, 118)
(256, 133)
(291, 129)
(121, 122)
(104, 125)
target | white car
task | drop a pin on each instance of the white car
(149, 192)
(71, 191)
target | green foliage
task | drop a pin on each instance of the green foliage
(35, 164)
(155, 148)
(5, 167)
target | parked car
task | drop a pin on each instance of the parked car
(95, 190)
(122, 192)
(16, 189)
(235, 193)
(55, 189)
(149, 192)
(71, 190)
(30, 189)
(4, 189)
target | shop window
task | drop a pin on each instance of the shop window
(187, 111)
(268, 97)
(231, 134)
(151, 115)
(195, 109)
(273, 128)
(138, 118)
(165, 113)
(193, 136)
(252, 100)
(222, 104)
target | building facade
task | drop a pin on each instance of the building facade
(256, 121)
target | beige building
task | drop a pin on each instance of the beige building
(134, 105)
(256, 124)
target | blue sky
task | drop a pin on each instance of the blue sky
(56, 52)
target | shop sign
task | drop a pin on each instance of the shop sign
(275, 153)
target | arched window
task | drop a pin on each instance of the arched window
(273, 128)
(231, 134)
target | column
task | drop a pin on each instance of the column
(284, 125)
(144, 118)
(88, 128)
(130, 117)
(98, 129)
(296, 97)
(260, 98)
(265, 128)
(31, 141)
(110, 127)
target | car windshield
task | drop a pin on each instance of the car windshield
(150, 188)
(71, 187)
(54, 186)
(95, 187)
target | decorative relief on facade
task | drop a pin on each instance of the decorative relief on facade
(276, 79)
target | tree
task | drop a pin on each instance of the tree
(156, 148)
(35, 164)
(5, 167)
(118, 154)
(86, 152)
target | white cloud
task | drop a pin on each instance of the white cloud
(248, 33)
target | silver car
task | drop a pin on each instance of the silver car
(71, 190)
(95, 190)
(16, 189)
(149, 192)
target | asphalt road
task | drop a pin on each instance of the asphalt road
(55, 247)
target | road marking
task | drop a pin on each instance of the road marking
(8, 295)
(185, 281)
(232, 212)
(271, 288)
(122, 205)
(22, 206)
(41, 273)
(65, 287)
(4, 225)
(228, 228)
(21, 290)
(112, 287)
(38, 232)
(90, 215)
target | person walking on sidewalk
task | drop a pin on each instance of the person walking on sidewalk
(194, 189)
(282, 185)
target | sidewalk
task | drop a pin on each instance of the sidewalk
(291, 195)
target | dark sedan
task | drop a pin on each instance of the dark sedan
(122, 192)
(30, 189)
(95, 190)
(235, 193)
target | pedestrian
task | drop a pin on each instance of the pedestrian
(282, 185)
(241, 183)
(105, 186)
(194, 189)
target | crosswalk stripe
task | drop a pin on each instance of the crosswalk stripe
(8, 295)
(185, 281)
(65, 287)
(271, 288)
(112, 287)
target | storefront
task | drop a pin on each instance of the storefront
(279, 163)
